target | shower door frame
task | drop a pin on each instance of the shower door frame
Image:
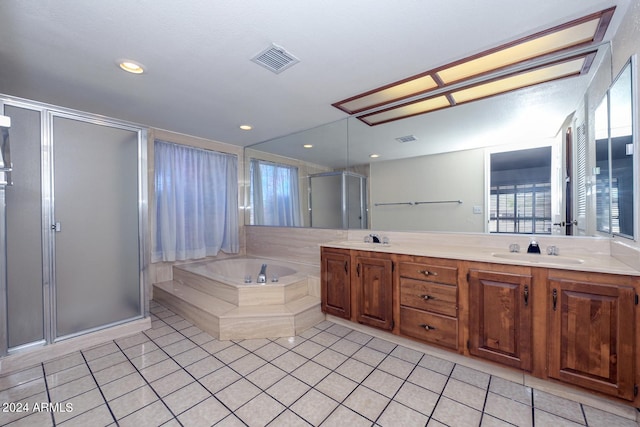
(47, 115)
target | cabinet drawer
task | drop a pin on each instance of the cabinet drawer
(429, 296)
(422, 271)
(429, 327)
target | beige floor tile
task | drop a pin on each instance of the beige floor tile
(428, 379)
(543, 418)
(336, 386)
(288, 390)
(40, 419)
(417, 398)
(556, 405)
(260, 410)
(308, 349)
(97, 416)
(289, 361)
(107, 361)
(178, 347)
(455, 414)
(270, 351)
(441, 366)
(155, 333)
(139, 349)
(24, 376)
(397, 414)
(23, 391)
(217, 380)
(346, 347)
(204, 367)
(190, 356)
(66, 362)
(159, 370)
(471, 376)
(344, 416)
(149, 359)
(314, 407)
(100, 351)
(383, 382)
(172, 382)
(290, 342)
(381, 345)
(330, 359)
(407, 354)
(359, 337)
(253, 344)
(72, 389)
(511, 390)
(355, 370)
(186, 397)
(21, 412)
(113, 373)
(168, 339)
(215, 346)
(326, 339)
(206, 413)
(201, 337)
(131, 340)
(247, 364)
(231, 353)
(265, 376)
(122, 386)
(369, 356)
(490, 421)
(465, 393)
(311, 373)
(399, 368)
(237, 394)
(596, 417)
(153, 415)
(289, 419)
(509, 410)
(67, 375)
(79, 405)
(366, 402)
(132, 401)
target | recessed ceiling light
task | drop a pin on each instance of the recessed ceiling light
(246, 127)
(308, 145)
(374, 156)
(131, 66)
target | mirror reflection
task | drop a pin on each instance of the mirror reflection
(434, 172)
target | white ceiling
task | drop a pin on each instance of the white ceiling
(200, 80)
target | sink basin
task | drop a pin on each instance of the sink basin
(537, 258)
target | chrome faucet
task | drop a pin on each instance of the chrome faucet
(262, 276)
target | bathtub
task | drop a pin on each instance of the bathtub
(235, 271)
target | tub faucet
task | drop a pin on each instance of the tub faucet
(262, 276)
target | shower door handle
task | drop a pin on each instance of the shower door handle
(56, 227)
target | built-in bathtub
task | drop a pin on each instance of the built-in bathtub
(214, 296)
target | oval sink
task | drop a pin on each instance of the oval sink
(537, 258)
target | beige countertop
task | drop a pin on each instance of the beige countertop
(600, 263)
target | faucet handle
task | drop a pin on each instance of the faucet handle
(514, 247)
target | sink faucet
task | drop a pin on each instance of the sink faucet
(533, 248)
(262, 276)
(374, 238)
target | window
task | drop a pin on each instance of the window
(275, 195)
(196, 202)
(520, 192)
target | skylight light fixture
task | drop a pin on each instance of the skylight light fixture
(434, 89)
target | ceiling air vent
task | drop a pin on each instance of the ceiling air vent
(275, 58)
(408, 138)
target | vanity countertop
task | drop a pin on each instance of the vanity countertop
(597, 263)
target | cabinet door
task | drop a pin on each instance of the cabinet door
(336, 283)
(500, 317)
(374, 292)
(591, 336)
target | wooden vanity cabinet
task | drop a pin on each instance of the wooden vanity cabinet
(373, 289)
(429, 300)
(500, 314)
(591, 331)
(335, 285)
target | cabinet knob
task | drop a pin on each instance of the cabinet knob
(427, 297)
(427, 273)
(428, 327)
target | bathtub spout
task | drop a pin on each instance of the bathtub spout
(262, 276)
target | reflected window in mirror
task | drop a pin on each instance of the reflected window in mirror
(520, 192)
(614, 171)
(275, 194)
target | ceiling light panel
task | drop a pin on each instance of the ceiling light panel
(540, 47)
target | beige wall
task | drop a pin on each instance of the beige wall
(451, 176)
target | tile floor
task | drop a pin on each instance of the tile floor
(175, 374)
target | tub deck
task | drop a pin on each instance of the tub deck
(243, 312)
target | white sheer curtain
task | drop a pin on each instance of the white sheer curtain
(196, 202)
(275, 194)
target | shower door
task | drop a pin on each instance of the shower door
(95, 225)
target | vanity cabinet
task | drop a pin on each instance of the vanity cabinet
(591, 324)
(373, 290)
(500, 314)
(429, 300)
(335, 282)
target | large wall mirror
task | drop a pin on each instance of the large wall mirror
(615, 148)
(432, 172)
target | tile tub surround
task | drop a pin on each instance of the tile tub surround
(229, 311)
(332, 374)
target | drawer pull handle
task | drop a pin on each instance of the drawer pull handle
(427, 273)
(427, 297)
(428, 327)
